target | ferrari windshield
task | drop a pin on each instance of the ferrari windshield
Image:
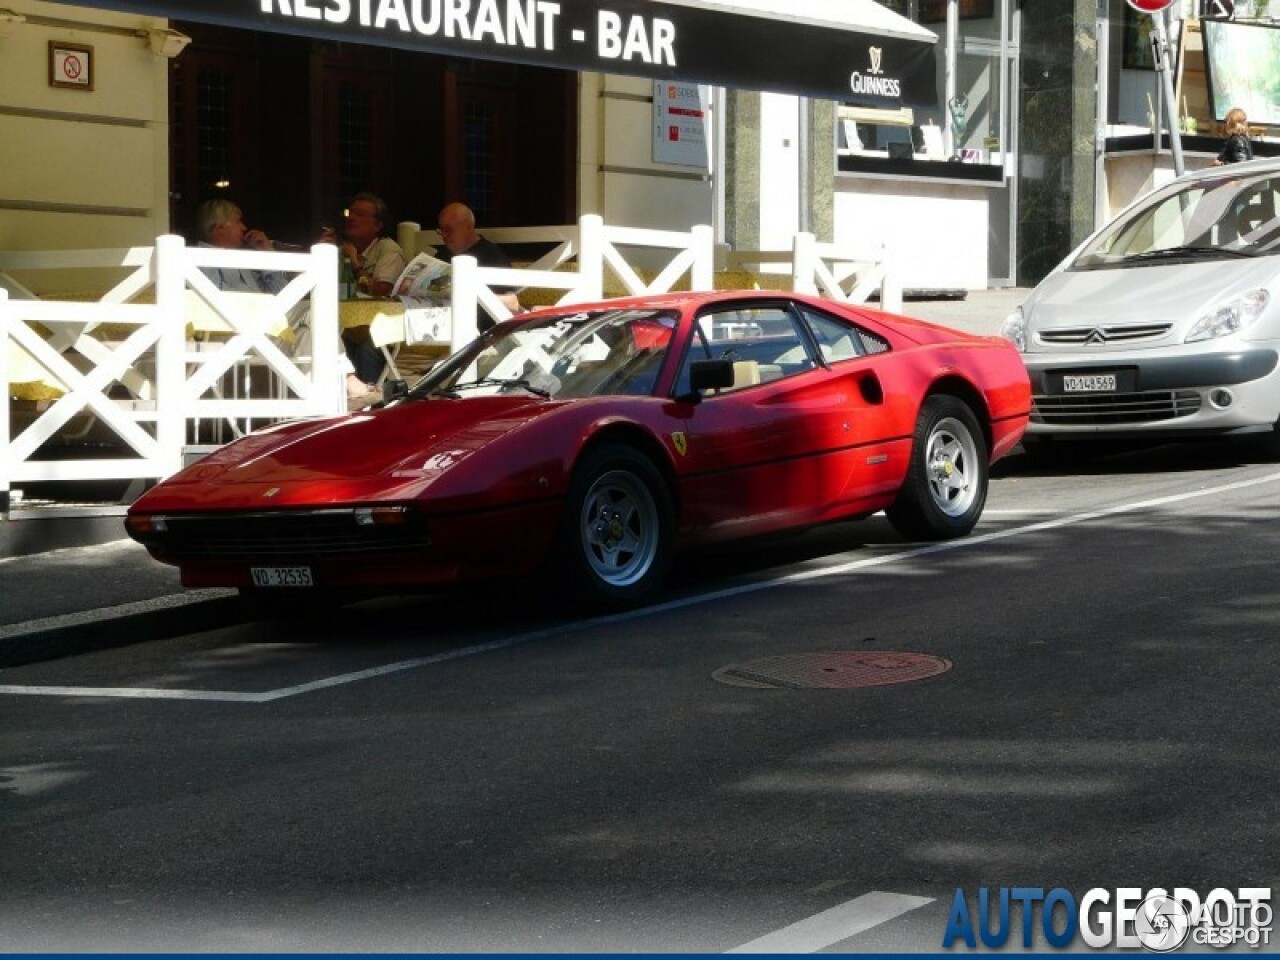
(1219, 218)
(584, 354)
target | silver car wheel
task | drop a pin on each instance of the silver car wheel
(620, 527)
(951, 464)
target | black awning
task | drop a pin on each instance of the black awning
(679, 41)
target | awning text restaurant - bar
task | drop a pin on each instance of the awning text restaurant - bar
(837, 56)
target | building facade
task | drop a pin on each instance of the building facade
(988, 178)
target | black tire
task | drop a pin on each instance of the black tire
(946, 485)
(617, 534)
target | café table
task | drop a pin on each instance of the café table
(397, 331)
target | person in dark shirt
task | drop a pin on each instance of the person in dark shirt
(1236, 147)
(457, 226)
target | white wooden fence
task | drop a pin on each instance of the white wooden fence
(140, 371)
(829, 270)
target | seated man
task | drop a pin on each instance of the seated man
(377, 262)
(457, 225)
(221, 224)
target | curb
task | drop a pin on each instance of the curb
(54, 637)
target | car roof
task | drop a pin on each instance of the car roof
(675, 300)
(1247, 167)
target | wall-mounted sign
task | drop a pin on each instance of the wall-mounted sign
(70, 65)
(681, 112)
(672, 40)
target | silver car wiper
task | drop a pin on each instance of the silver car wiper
(1172, 253)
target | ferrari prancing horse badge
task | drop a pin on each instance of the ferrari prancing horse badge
(681, 444)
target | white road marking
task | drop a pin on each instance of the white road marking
(735, 591)
(1023, 512)
(105, 615)
(839, 923)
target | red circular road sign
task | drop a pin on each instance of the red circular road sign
(1150, 6)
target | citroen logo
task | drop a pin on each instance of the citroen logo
(877, 55)
(1098, 335)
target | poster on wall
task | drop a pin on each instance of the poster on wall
(1242, 61)
(681, 112)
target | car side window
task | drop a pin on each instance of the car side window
(764, 344)
(839, 339)
(836, 339)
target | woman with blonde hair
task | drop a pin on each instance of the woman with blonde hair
(1236, 148)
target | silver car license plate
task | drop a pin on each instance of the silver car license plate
(281, 576)
(1089, 383)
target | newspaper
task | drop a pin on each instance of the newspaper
(423, 278)
(423, 288)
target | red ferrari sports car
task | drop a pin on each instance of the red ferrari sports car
(592, 442)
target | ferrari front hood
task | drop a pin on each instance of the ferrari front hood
(376, 443)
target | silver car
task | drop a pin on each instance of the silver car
(1166, 321)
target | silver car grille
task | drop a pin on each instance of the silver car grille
(1116, 409)
(1103, 336)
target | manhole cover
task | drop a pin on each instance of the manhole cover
(833, 671)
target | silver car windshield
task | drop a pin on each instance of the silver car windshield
(589, 353)
(1219, 218)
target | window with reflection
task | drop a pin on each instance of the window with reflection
(972, 126)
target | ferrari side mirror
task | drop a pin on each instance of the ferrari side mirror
(710, 375)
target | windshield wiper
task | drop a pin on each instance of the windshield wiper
(500, 382)
(1172, 253)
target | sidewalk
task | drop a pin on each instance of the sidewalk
(76, 599)
(982, 311)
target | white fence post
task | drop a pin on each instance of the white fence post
(4, 414)
(890, 283)
(326, 338)
(591, 256)
(702, 273)
(803, 254)
(465, 298)
(168, 269)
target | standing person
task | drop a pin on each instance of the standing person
(457, 226)
(1236, 148)
(221, 224)
(377, 262)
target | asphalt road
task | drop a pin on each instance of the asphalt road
(482, 773)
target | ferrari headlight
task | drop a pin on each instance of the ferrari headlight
(1015, 329)
(1230, 317)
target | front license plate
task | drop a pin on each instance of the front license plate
(281, 576)
(1089, 383)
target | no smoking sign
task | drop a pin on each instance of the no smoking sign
(71, 65)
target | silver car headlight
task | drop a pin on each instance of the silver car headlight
(1015, 329)
(1230, 317)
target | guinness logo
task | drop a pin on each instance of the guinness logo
(874, 83)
